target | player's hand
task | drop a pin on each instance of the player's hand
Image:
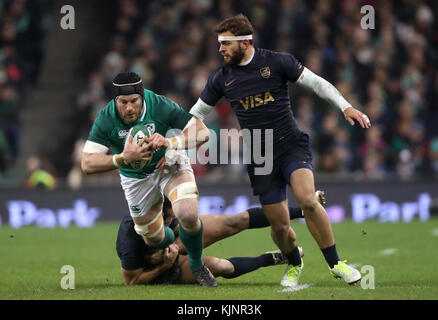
(170, 254)
(134, 152)
(156, 141)
(352, 114)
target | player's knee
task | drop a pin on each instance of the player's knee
(217, 266)
(233, 223)
(280, 230)
(225, 268)
(189, 219)
(309, 204)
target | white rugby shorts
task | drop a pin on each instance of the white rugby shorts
(142, 194)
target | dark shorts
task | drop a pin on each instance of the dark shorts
(288, 156)
(134, 253)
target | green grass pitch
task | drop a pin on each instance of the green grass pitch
(403, 255)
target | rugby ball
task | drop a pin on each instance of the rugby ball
(138, 132)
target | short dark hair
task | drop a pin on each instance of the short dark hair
(238, 25)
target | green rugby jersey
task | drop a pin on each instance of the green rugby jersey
(160, 115)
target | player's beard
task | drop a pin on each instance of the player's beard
(236, 58)
(132, 116)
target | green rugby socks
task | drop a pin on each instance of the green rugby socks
(169, 237)
(193, 243)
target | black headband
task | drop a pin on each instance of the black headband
(128, 88)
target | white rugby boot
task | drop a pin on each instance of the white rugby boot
(292, 275)
(346, 272)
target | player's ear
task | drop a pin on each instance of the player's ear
(246, 44)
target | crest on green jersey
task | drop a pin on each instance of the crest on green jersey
(151, 127)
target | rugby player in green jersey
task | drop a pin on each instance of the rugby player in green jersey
(144, 188)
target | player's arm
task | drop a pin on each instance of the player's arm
(192, 135)
(140, 276)
(195, 132)
(95, 160)
(329, 93)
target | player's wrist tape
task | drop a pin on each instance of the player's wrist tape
(123, 159)
(175, 143)
(115, 163)
(119, 160)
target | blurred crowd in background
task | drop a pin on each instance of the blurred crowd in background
(24, 25)
(390, 73)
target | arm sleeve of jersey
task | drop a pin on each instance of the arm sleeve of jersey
(291, 67)
(97, 134)
(323, 88)
(131, 263)
(93, 147)
(200, 109)
(213, 90)
(177, 117)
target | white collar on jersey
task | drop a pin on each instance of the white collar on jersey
(247, 61)
(144, 111)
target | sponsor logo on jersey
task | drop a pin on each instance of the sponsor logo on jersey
(134, 209)
(123, 133)
(265, 72)
(256, 100)
(227, 84)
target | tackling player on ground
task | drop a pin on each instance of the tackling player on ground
(141, 264)
(144, 189)
(255, 82)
